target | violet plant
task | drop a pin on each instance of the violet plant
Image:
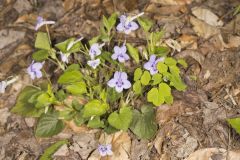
(103, 88)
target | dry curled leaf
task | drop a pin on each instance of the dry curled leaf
(214, 153)
(203, 29)
(192, 53)
(207, 16)
(172, 2)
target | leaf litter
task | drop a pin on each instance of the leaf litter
(194, 127)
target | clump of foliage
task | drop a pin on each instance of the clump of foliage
(101, 89)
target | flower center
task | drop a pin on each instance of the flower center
(119, 83)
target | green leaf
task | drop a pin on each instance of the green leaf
(106, 56)
(235, 123)
(157, 78)
(23, 107)
(70, 77)
(162, 68)
(137, 87)
(145, 23)
(61, 95)
(183, 63)
(146, 77)
(155, 97)
(165, 89)
(42, 41)
(133, 52)
(110, 129)
(43, 100)
(40, 55)
(176, 81)
(103, 95)
(174, 70)
(67, 114)
(169, 99)
(77, 88)
(95, 122)
(162, 51)
(93, 40)
(170, 61)
(112, 20)
(156, 36)
(143, 124)
(47, 155)
(73, 67)
(237, 10)
(137, 74)
(78, 119)
(95, 108)
(122, 120)
(113, 95)
(106, 23)
(62, 46)
(49, 125)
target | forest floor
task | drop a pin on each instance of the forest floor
(193, 128)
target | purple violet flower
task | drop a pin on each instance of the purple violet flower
(41, 22)
(64, 57)
(126, 25)
(94, 63)
(120, 54)
(151, 65)
(105, 150)
(95, 50)
(119, 81)
(34, 70)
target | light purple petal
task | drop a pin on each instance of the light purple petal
(148, 65)
(94, 50)
(64, 57)
(114, 56)
(112, 83)
(119, 89)
(123, 75)
(121, 59)
(160, 60)
(123, 49)
(41, 22)
(117, 75)
(123, 18)
(94, 63)
(120, 27)
(117, 50)
(153, 71)
(125, 56)
(37, 66)
(152, 58)
(38, 74)
(126, 84)
(109, 149)
(134, 26)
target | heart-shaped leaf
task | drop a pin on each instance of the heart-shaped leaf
(49, 125)
(155, 97)
(146, 77)
(121, 120)
(143, 123)
(94, 108)
(42, 41)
